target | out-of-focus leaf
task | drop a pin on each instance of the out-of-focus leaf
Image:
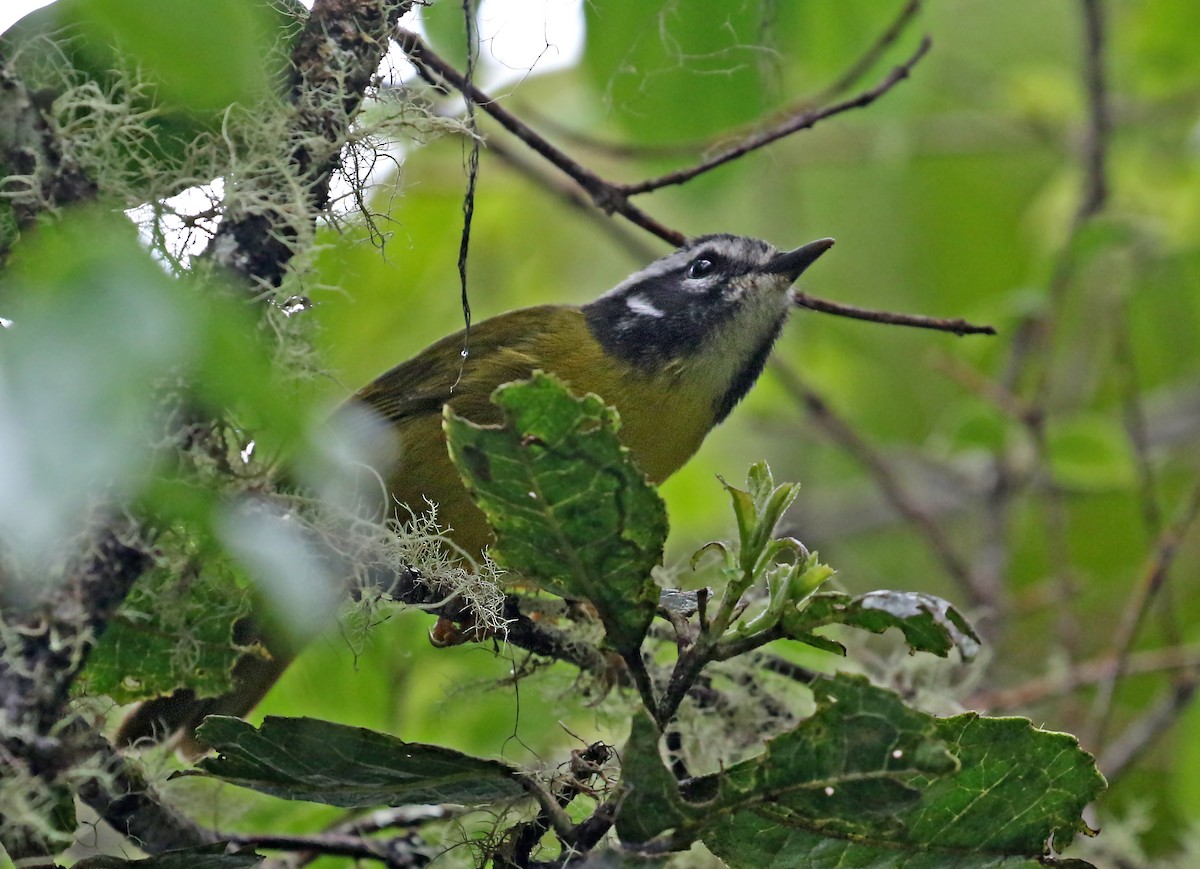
(929, 624)
(696, 69)
(103, 342)
(173, 47)
(571, 510)
(287, 569)
(95, 323)
(977, 427)
(1157, 39)
(351, 767)
(176, 46)
(446, 27)
(1090, 453)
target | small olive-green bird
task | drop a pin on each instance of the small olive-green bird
(674, 347)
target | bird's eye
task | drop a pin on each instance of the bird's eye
(700, 267)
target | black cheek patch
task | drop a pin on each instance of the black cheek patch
(747, 377)
(647, 341)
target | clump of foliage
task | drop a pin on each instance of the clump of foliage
(863, 779)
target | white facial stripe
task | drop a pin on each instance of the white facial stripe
(669, 263)
(640, 305)
(729, 247)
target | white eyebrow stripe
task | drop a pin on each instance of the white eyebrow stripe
(640, 305)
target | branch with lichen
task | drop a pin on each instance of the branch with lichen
(269, 217)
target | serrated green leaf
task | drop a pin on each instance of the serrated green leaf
(776, 845)
(929, 623)
(1013, 790)
(845, 761)
(570, 509)
(869, 781)
(351, 767)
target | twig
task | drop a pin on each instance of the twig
(1136, 428)
(333, 62)
(613, 198)
(402, 817)
(1096, 144)
(397, 853)
(985, 388)
(1141, 734)
(468, 205)
(801, 121)
(607, 197)
(1154, 575)
(885, 40)
(843, 434)
(957, 326)
(1083, 675)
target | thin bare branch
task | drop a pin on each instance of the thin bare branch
(957, 326)
(605, 195)
(337, 53)
(1154, 575)
(907, 14)
(802, 121)
(1144, 732)
(613, 198)
(403, 852)
(844, 434)
(643, 150)
(1084, 675)
(1095, 191)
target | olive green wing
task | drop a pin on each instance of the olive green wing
(499, 349)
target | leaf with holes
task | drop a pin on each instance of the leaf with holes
(571, 510)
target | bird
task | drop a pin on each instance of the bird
(674, 348)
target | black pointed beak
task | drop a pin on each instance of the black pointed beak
(793, 262)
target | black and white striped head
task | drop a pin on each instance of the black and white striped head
(716, 305)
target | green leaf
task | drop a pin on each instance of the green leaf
(758, 510)
(96, 323)
(204, 857)
(351, 767)
(174, 47)
(779, 845)
(1013, 790)
(173, 630)
(874, 782)
(1090, 454)
(929, 623)
(571, 510)
(653, 803)
(845, 762)
(446, 28)
(694, 68)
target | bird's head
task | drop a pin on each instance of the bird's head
(710, 311)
